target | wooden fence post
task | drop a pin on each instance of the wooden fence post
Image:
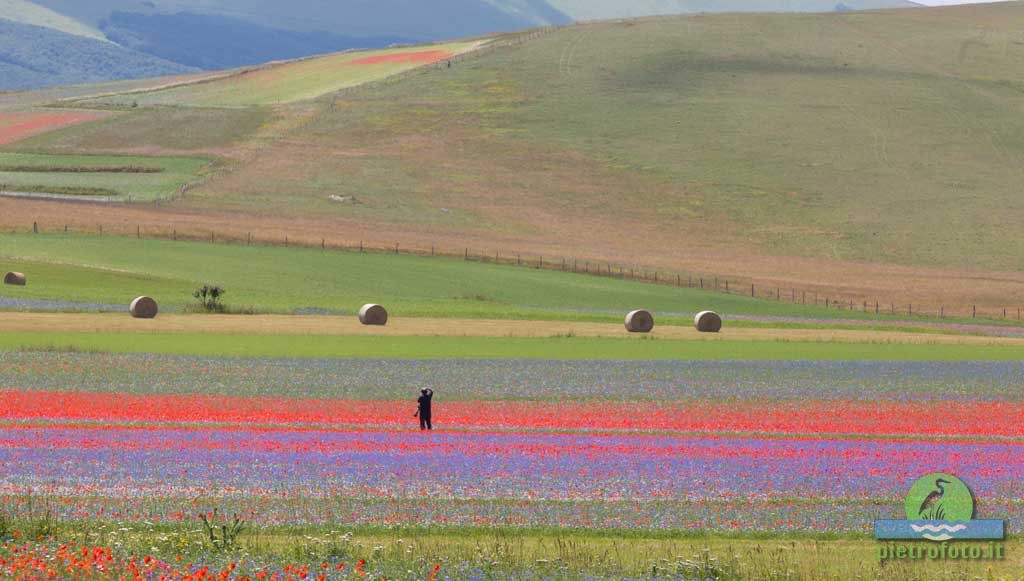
(974, 311)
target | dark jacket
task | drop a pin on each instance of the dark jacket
(424, 402)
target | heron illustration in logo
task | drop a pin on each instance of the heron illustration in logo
(939, 507)
(932, 507)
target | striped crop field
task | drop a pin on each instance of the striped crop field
(805, 447)
(120, 178)
(18, 125)
(296, 80)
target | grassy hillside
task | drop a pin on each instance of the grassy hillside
(888, 137)
(218, 34)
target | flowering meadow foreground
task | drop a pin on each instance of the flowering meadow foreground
(137, 466)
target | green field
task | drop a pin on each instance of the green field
(121, 178)
(547, 554)
(111, 269)
(347, 346)
(285, 83)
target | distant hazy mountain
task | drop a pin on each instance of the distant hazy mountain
(215, 34)
(210, 41)
(36, 56)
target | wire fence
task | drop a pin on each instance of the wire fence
(734, 286)
(708, 282)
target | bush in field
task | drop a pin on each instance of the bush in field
(209, 296)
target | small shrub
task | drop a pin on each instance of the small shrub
(209, 296)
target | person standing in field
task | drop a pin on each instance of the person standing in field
(423, 411)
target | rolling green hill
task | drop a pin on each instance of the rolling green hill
(219, 34)
(876, 153)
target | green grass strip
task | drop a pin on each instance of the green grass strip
(347, 346)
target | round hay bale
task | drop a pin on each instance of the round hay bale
(373, 315)
(143, 308)
(639, 321)
(707, 322)
(15, 278)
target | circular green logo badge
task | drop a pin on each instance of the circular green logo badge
(940, 497)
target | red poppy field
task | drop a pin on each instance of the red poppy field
(831, 417)
(15, 126)
(150, 461)
(418, 57)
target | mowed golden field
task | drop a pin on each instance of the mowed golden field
(313, 325)
(869, 155)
